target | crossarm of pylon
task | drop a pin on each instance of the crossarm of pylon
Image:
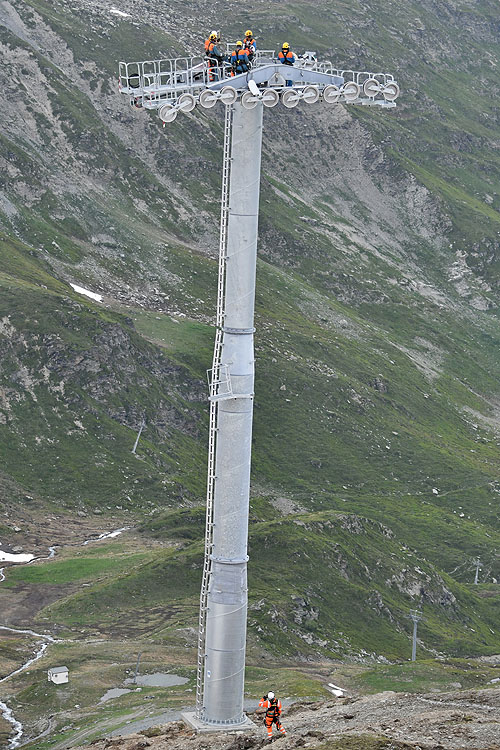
(261, 75)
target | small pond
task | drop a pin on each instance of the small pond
(158, 679)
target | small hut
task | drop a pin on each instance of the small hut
(58, 675)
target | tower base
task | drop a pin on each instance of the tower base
(190, 718)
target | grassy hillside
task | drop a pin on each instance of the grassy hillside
(377, 321)
(344, 585)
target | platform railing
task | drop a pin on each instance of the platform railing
(179, 84)
(165, 72)
(148, 76)
(360, 76)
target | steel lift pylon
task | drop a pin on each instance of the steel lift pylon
(179, 85)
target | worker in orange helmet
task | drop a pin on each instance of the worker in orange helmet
(286, 57)
(273, 713)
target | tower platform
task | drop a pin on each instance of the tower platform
(180, 84)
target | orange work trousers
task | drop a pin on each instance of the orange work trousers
(269, 725)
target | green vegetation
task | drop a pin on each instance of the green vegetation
(78, 569)
(425, 675)
(321, 560)
(286, 682)
(375, 447)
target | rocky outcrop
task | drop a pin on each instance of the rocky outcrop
(466, 719)
(93, 376)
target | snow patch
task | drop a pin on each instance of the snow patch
(120, 13)
(15, 558)
(337, 693)
(109, 535)
(86, 292)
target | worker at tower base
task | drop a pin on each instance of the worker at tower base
(273, 713)
(239, 60)
(286, 57)
(250, 45)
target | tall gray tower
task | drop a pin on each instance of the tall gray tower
(226, 595)
(173, 86)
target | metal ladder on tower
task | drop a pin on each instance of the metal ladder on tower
(214, 382)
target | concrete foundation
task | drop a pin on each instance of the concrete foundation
(189, 717)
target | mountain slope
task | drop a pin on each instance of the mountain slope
(377, 301)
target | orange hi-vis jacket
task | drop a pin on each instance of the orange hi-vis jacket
(250, 45)
(287, 59)
(273, 708)
(214, 52)
(208, 42)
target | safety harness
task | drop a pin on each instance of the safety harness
(273, 711)
(241, 64)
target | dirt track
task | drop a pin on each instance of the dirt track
(464, 720)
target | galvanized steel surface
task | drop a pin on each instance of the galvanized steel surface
(217, 388)
(227, 595)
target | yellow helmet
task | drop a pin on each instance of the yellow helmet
(248, 33)
(213, 36)
(285, 45)
(239, 44)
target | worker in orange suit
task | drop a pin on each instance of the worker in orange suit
(215, 57)
(207, 40)
(239, 60)
(286, 57)
(250, 45)
(214, 35)
(273, 713)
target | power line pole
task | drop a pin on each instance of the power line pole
(143, 424)
(416, 616)
(137, 667)
(477, 563)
